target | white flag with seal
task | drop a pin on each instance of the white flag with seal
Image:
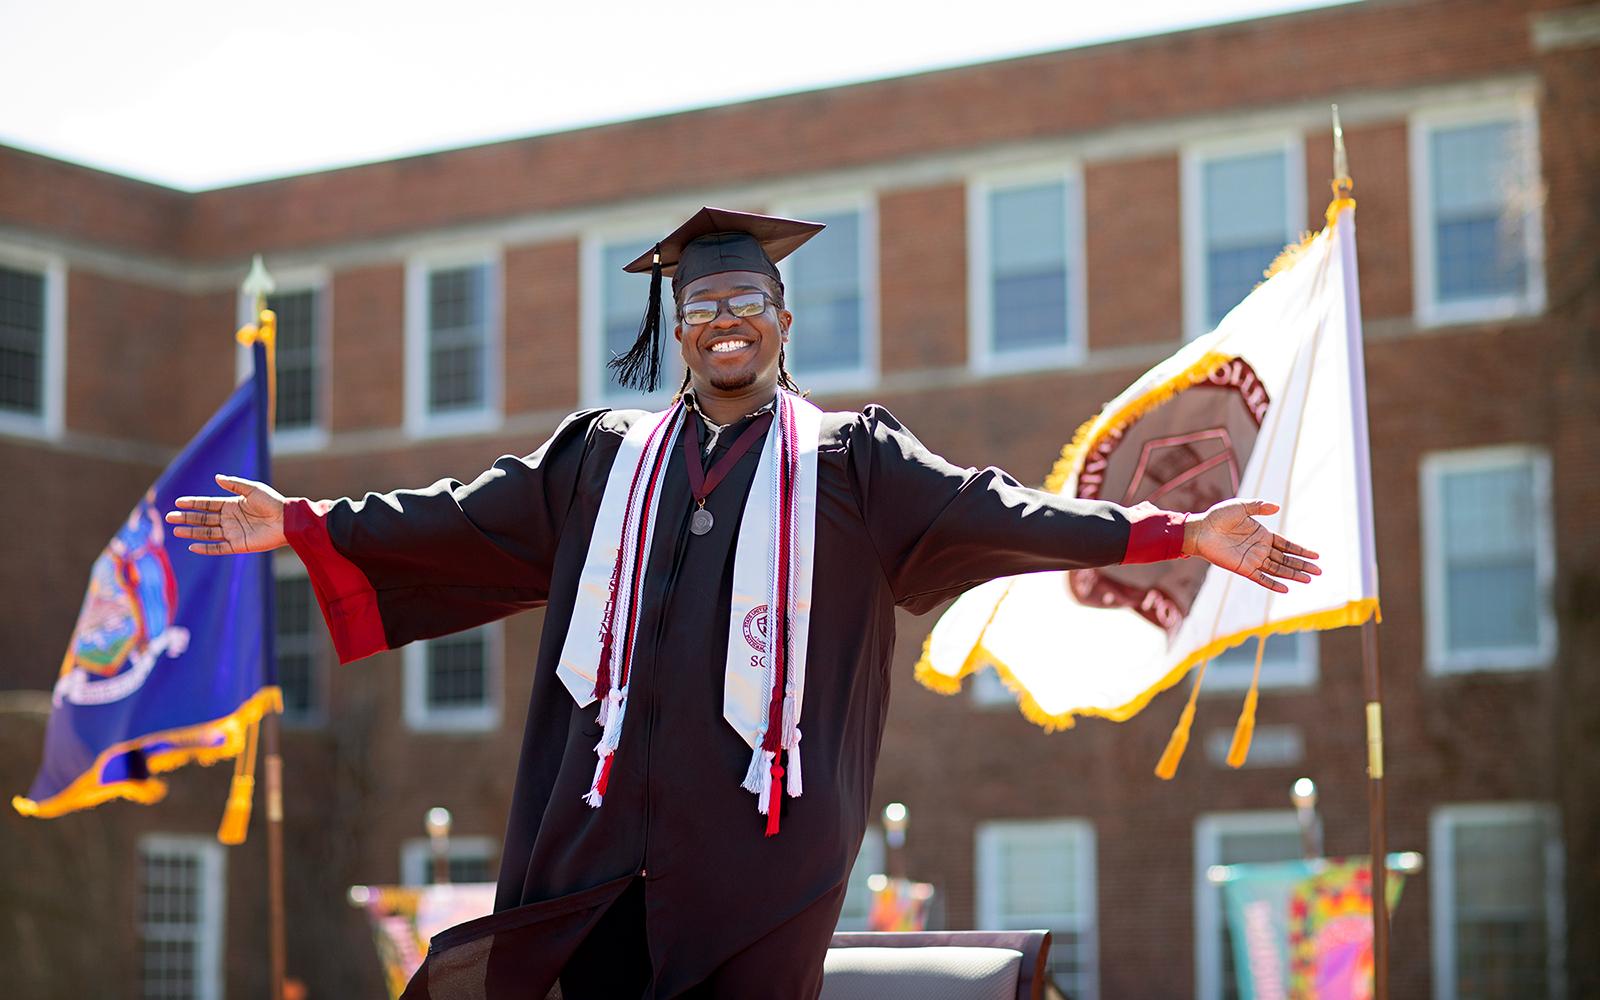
(1270, 405)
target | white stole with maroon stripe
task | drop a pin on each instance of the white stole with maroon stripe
(772, 581)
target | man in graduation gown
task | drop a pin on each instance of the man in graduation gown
(671, 887)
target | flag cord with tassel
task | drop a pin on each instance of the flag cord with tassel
(1167, 766)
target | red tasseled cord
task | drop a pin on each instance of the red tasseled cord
(775, 803)
(605, 773)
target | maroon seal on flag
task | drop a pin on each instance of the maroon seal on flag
(755, 628)
(1185, 454)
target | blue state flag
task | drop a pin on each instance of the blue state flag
(169, 663)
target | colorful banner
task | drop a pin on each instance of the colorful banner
(404, 918)
(170, 661)
(1302, 930)
(898, 904)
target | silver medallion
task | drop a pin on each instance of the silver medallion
(701, 521)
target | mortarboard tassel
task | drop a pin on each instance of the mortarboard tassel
(640, 368)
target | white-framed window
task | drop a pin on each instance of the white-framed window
(871, 860)
(1496, 876)
(831, 287)
(452, 683)
(1289, 661)
(1231, 838)
(469, 859)
(180, 917)
(33, 334)
(612, 305)
(1026, 287)
(453, 341)
(303, 302)
(1488, 559)
(1244, 199)
(1476, 197)
(1041, 873)
(298, 645)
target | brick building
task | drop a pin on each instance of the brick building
(1010, 243)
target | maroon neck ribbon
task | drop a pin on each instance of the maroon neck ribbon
(701, 482)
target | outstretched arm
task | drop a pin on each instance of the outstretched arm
(942, 529)
(251, 520)
(411, 564)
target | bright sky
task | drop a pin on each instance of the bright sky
(201, 93)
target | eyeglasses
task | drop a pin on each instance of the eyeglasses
(743, 306)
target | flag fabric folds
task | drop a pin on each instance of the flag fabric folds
(169, 662)
(1270, 405)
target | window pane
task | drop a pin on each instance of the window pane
(171, 923)
(1491, 561)
(1502, 938)
(1233, 273)
(1282, 653)
(21, 342)
(456, 671)
(1035, 883)
(823, 287)
(463, 868)
(1039, 875)
(1478, 235)
(1245, 203)
(297, 358)
(1028, 258)
(457, 338)
(623, 297)
(295, 645)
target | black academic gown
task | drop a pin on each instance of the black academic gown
(896, 526)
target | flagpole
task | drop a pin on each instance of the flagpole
(1371, 676)
(258, 284)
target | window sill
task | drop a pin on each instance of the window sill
(473, 722)
(1013, 362)
(453, 424)
(1471, 311)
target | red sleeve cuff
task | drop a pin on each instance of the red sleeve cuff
(1154, 535)
(349, 604)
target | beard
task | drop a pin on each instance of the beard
(734, 382)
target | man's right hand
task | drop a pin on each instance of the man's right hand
(249, 521)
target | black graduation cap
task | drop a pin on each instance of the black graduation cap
(713, 241)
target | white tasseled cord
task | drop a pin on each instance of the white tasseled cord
(758, 776)
(795, 681)
(614, 706)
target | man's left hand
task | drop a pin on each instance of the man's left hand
(1228, 535)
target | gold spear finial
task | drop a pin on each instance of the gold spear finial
(1341, 165)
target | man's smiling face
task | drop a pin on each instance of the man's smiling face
(732, 354)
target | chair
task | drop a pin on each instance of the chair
(936, 965)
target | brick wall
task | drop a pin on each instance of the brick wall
(149, 356)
